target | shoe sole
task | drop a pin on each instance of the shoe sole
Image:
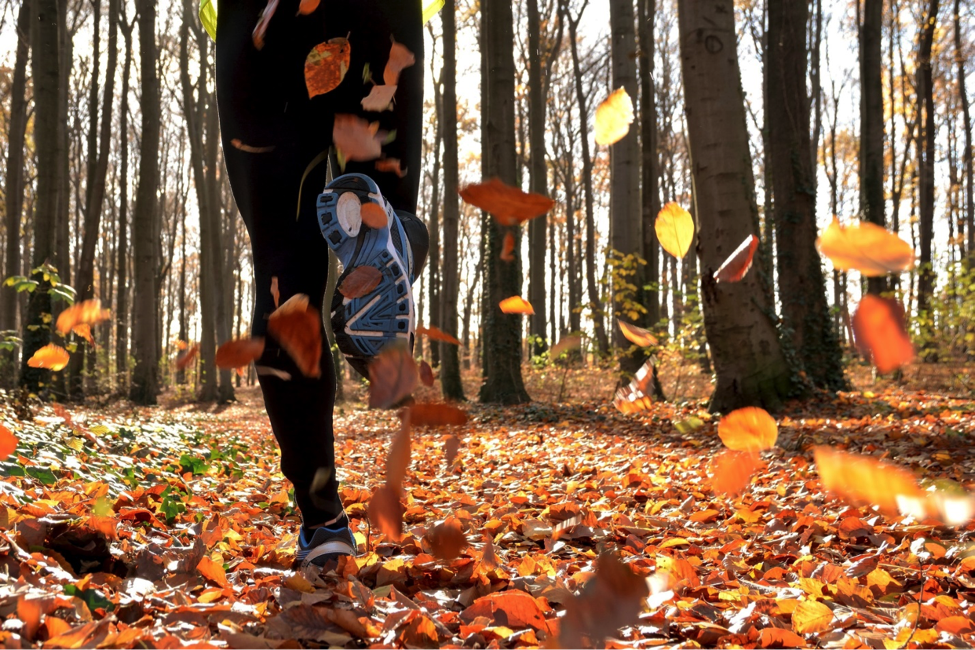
(363, 326)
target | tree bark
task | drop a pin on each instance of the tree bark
(750, 367)
(925, 93)
(145, 225)
(967, 155)
(537, 228)
(502, 332)
(871, 160)
(122, 263)
(802, 286)
(435, 274)
(650, 199)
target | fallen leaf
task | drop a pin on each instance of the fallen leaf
(811, 616)
(52, 357)
(611, 599)
(400, 58)
(379, 99)
(637, 335)
(391, 165)
(8, 442)
(186, 358)
(305, 7)
(508, 248)
(731, 471)
(361, 281)
(736, 266)
(297, 326)
(774, 637)
(261, 28)
(878, 326)
(237, 354)
(437, 415)
(88, 312)
(386, 512)
(862, 480)
(326, 66)
(393, 376)
(426, 374)
(675, 230)
(237, 144)
(374, 215)
(865, 247)
(613, 117)
(516, 305)
(509, 206)
(356, 138)
(748, 429)
(212, 571)
(447, 540)
(436, 334)
(513, 608)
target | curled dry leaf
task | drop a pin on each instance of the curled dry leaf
(239, 353)
(393, 376)
(379, 99)
(426, 374)
(447, 540)
(736, 266)
(8, 442)
(637, 335)
(519, 608)
(212, 571)
(516, 305)
(184, 360)
(748, 429)
(878, 326)
(356, 138)
(275, 293)
(391, 165)
(732, 471)
(637, 396)
(261, 28)
(675, 229)
(434, 333)
(811, 616)
(450, 449)
(613, 117)
(862, 480)
(360, 281)
(509, 206)
(611, 599)
(865, 247)
(237, 144)
(52, 357)
(374, 215)
(297, 326)
(88, 312)
(386, 512)
(400, 58)
(437, 415)
(326, 66)
(305, 7)
(508, 248)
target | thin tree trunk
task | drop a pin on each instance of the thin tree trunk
(537, 228)
(967, 155)
(434, 278)
(122, 299)
(650, 200)
(925, 93)
(871, 159)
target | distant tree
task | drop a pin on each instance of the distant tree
(926, 153)
(872, 122)
(967, 116)
(649, 167)
(122, 252)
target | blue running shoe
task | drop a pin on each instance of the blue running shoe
(324, 544)
(363, 326)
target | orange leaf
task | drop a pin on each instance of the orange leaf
(236, 354)
(516, 305)
(108, 526)
(400, 58)
(186, 358)
(238, 144)
(450, 449)
(298, 328)
(748, 429)
(731, 471)
(8, 442)
(675, 229)
(436, 334)
(356, 138)
(51, 356)
(866, 247)
(508, 248)
(446, 540)
(956, 625)
(509, 205)
(386, 512)
(261, 28)
(379, 99)
(775, 637)
(611, 599)
(87, 312)
(426, 374)
(326, 65)
(393, 375)
(31, 611)
(637, 335)
(391, 165)
(437, 415)
(863, 480)
(212, 571)
(398, 460)
(520, 609)
(275, 293)
(570, 342)
(360, 281)
(878, 326)
(373, 215)
(181, 345)
(638, 395)
(307, 6)
(736, 266)
(84, 331)
(613, 117)
(811, 616)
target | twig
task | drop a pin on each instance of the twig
(917, 617)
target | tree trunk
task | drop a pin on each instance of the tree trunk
(925, 93)
(650, 199)
(537, 228)
(871, 160)
(145, 225)
(450, 380)
(967, 155)
(502, 332)
(435, 274)
(122, 298)
(14, 190)
(62, 247)
(183, 334)
(802, 287)
(749, 364)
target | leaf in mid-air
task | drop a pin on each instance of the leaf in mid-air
(510, 206)
(326, 66)
(52, 357)
(880, 332)
(675, 229)
(613, 117)
(516, 305)
(748, 429)
(736, 266)
(865, 247)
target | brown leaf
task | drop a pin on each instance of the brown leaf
(436, 334)
(212, 571)
(512, 608)
(52, 357)
(356, 138)
(400, 58)
(186, 358)
(8, 442)
(612, 598)
(305, 7)
(450, 449)
(516, 305)
(398, 460)
(736, 266)
(570, 342)
(275, 293)
(393, 376)
(509, 205)
(386, 512)
(88, 312)
(379, 99)
(489, 558)
(261, 28)
(237, 144)
(297, 326)
(391, 165)
(326, 66)
(880, 333)
(508, 249)
(373, 215)
(239, 353)
(774, 637)
(360, 281)
(447, 540)
(426, 374)
(748, 429)
(637, 335)
(437, 415)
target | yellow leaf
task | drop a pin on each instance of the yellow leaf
(51, 356)
(811, 616)
(637, 335)
(865, 247)
(613, 117)
(675, 230)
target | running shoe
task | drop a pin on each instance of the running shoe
(321, 545)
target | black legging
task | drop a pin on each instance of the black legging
(263, 103)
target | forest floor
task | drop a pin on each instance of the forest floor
(172, 527)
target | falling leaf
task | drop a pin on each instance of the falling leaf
(50, 356)
(863, 480)
(297, 326)
(748, 429)
(450, 449)
(613, 117)
(391, 165)
(675, 229)
(447, 540)
(510, 206)
(379, 99)
(356, 138)
(88, 312)
(374, 215)
(811, 616)
(436, 334)
(567, 343)
(275, 293)
(186, 358)
(393, 376)
(326, 66)
(386, 512)
(305, 7)
(261, 28)
(181, 345)
(516, 305)
(508, 248)
(878, 326)
(732, 471)
(84, 331)
(237, 144)
(360, 282)
(637, 335)
(611, 599)
(212, 571)
(437, 415)
(400, 58)
(398, 459)
(736, 266)
(426, 374)
(8, 442)
(865, 247)
(236, 354)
